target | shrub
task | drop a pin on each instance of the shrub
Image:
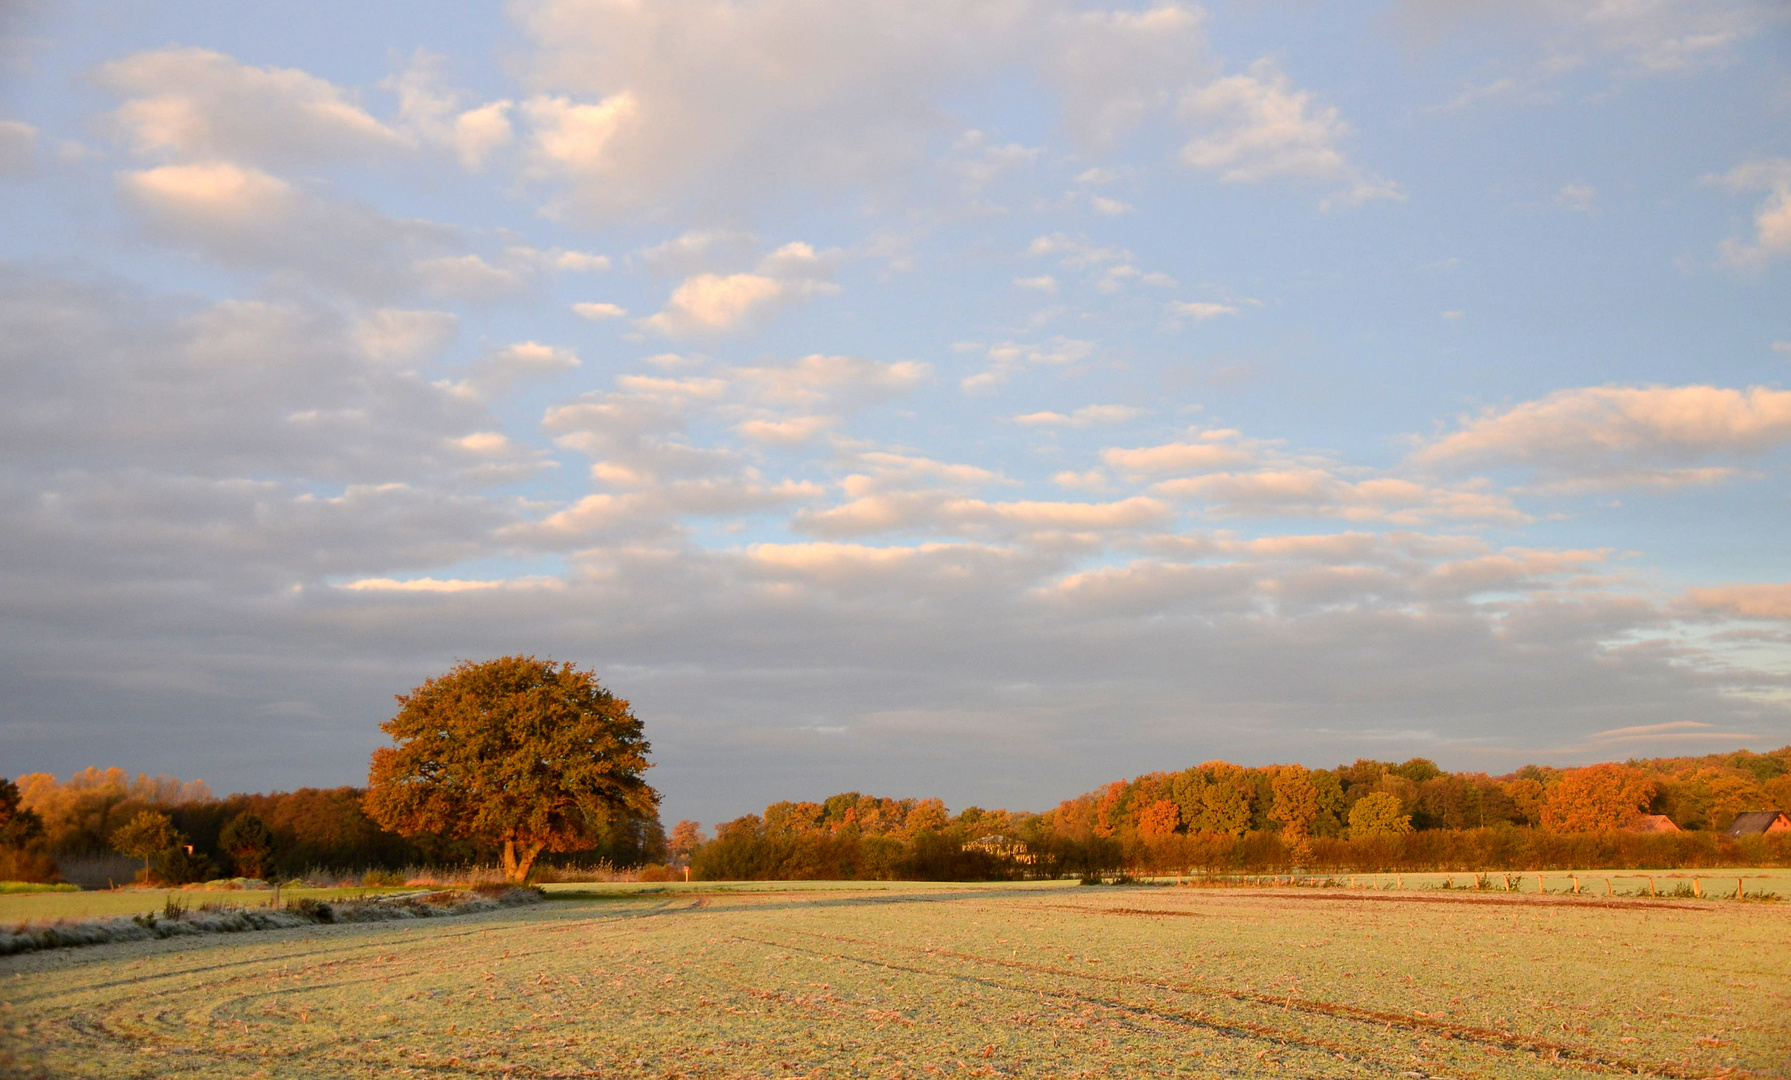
(179, 866)
(315, 910)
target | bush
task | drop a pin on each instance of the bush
(28, 865)
(652, 872)
(315, 910)
(178, 866)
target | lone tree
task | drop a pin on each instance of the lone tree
(145, 836)
(514, 751)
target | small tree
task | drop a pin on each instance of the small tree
(145, 836)
(248, 841)
(517, 752)
(1378, 815)
(687, 836)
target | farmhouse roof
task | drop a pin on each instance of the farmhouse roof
(1760, 821)
(1651, 823)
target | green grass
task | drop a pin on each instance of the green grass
(914, 981)
(11, 887)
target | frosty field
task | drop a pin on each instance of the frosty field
(916, 981)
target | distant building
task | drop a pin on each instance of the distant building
(1760, 821)
(1651, 823)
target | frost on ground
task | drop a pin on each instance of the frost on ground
(176, 922)
(930, 981)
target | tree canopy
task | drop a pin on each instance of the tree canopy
(523, 753)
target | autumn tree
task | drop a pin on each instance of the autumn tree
(1224, 809)
(1159, 819)
(1377, 814)
(145, 836)
(927, 814)
(1526, 795)
(517, 752)
(1596, 797)
(1296, 801)
(686, 837)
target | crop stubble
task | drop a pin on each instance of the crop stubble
(983, 981)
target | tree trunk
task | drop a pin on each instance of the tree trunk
(516, 867)
(529, 852)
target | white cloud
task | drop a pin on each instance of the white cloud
(1256, 125)
(18, 147)
(195, 104)
(1615, 436)
(245, 217)
(470, 277)
(1082, 417)
(1578, 197)
(575, 262)
(936, 511)
(1198, 310)
(654, 105)
(1759, 601)
(1296, 491)
(1008, 357)
(788, 431)
(393, 335)
(431, 111)
(979, 162)
(500, 369)
(1076, 252)
(709, 304)
(1641, 38)
(597, 312)
(1179, 457)
(1044, 283)
(833, 382)
(445, 585)
(1772, 220)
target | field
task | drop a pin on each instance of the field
(914, 981)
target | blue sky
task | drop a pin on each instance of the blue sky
(981, 400)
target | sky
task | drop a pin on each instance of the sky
(982, 399)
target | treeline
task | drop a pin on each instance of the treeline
(1215, 817)
(1218, 817)
(305, 830)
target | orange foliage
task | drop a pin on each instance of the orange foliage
(1596, 797)
(1160, 818)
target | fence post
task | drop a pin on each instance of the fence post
(1697, 890)
(1539, 887)
(1738, 893)
(1651, 891)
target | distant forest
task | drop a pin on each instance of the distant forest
(1215, 817)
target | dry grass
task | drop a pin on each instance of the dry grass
(914, 982)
